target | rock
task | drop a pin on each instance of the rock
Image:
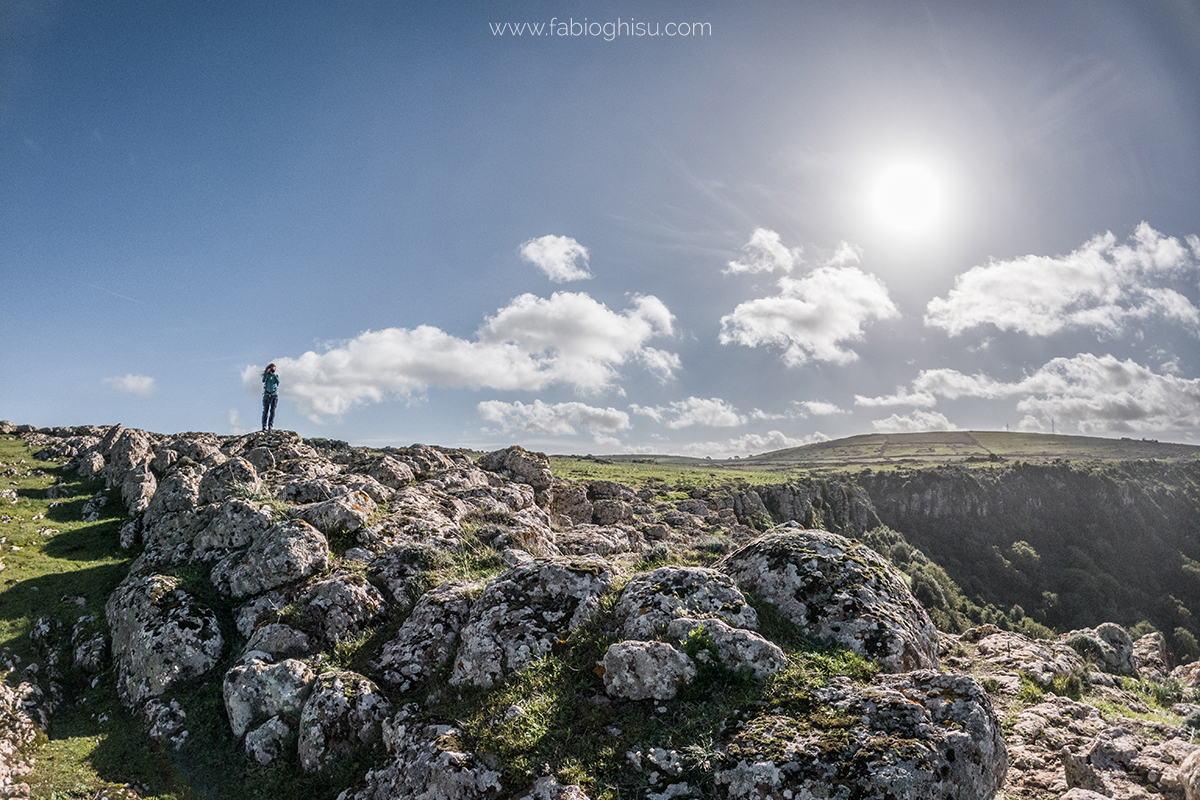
(264, 743)
(651, 600)
(524, 612)
(285, 552)
(642, 670)
(1189, 776)
(548, 788)
(165, 722)
(340, 607)
(837, 589)
(233, 526)
(403, 566)
(1150, 657)
(1041, 660)
(1131, 759)
(160, 636)
(137, 489)
(261, 457)
(164, 459)
(429, 636)
(130, 450)
(585, 539)
(918, 736)
(89, 464)
(267, 607)
(1108, 646)
(391, 473)
(280, 640)
(18, 732)
(738, 649)
(424, 460)
(256, 691)
(235, 478)
(611, 512)
(570, 501)
(345, 513)
(341, 718)
(89, 647)
(426, 763)
(520, 465)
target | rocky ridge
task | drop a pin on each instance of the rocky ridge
(260, 555)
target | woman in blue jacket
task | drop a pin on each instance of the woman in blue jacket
(270, 396)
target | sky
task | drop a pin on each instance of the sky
(698, 228)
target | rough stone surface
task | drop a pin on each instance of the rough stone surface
(429, 636)
(285, 552)
(524, 612)
(653, 599)
(257, 691)
(341, 718)
(343, 513)
(641, 670)
(738, 649)
(1107, 646)
(160, 636)
(234, 525)
(227, 480)
(836, 589)
(1041, 660)
(919, 736)
(520, 465)
(426, 762)
(264, 744)
(340, 607)
(1150, 657)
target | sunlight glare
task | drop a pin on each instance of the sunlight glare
(907, 198)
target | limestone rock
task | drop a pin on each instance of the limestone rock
(548, 788)
(340, 607)
(344, 513)
(264, 744)
(428, 637)
(256, 691)
(641, 670)
(1108, 646)
(520, 465)
(165, 722)
(285, 552)
(919, 736)
(234, 525)
(426, 763)
(160, 636)
(138, 489)
(570, 501)
(391, 473)
(1041, 660)
(738, 649)
(837, 589)
(280, 640)
(235, 476)
(524, 612)
(652, 599)
(130, 450)
(1150, 657)
(341, 717)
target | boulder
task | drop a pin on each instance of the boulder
(340, 607)
(344, 513)
(1107, 646)
(234, 478)
(429, 636)
(426, 762)
(130, 450)
(285, 552)
(1041, 660)
(570, 501)
(1150, 657)
(391, 473)
(160, 636)
(738, 649)
(341, 718)
(257, 691)
(524, 612)
(520, 465)
(264, 744)
(643, 670)
(233, 526)
(917, 736)
(280, 640)
(834, 588)
(653, 599)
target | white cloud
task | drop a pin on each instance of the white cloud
(812, 316)
(765, 253)
(533, 342)
(914, 422)
(1095, 393)
(713, 412)
(821, 409)
(1101, 286)
(236, 426)
(560, 257)
(554, 419)
(141, 385)
(750, 443)
(901, 397)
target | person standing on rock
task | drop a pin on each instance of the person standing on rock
(270, 396)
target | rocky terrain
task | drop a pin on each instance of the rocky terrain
(421, 623)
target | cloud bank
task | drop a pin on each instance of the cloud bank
(1101, 286)
(141, 385)
(554, 419)
(915, 422)
(568, 339)
(560, 257)
(713, 412)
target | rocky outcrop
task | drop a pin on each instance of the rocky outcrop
(160, 636)
(282, 554)
(341, 718)
(429, 637)
(836, 589)
(651, 600)
(524, 612)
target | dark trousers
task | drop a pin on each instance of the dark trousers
(269, 403)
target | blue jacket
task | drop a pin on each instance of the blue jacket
(270, 383)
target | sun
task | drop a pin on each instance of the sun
(907, 198)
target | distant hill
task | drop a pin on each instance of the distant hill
(941, 447)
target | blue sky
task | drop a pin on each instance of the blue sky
(797, 221)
